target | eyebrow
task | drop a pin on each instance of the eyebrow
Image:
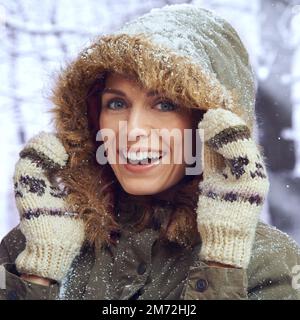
(121, 93)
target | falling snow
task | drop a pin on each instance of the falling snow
(36, 39)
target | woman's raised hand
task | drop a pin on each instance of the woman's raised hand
(233, 190)
(54, 234)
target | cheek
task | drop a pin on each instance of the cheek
(109, 134)
(183, 139)
(106, 121)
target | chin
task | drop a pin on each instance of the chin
(140, 190)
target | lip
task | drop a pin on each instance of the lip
(139, 168)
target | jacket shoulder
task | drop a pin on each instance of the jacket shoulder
(270, 271)
(271, 241)
(11, 245)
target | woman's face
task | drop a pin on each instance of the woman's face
(147, 165)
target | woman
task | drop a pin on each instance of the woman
(148, 224)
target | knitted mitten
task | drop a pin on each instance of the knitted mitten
(53, 234)
(233, 189)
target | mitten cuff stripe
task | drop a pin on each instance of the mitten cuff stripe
(39, 159)
(35, 213)
(233, 197)
(235, 133)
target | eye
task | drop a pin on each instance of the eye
(166, 106)
(115, 104)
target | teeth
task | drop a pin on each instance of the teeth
(139, 156)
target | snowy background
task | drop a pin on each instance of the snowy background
(37, 37)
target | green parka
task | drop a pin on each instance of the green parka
(141, 268)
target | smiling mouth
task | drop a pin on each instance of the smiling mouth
(142, 160)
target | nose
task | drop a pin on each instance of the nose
(137, 123)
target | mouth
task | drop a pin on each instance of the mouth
(142, 158)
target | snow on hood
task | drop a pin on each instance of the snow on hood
(209, 42)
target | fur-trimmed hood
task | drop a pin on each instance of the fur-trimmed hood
(192, 55)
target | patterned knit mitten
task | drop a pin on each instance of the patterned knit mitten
(54, 235)
(234, 187)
